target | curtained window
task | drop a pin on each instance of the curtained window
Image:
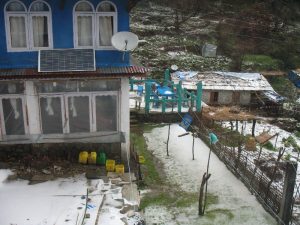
(84, 14)
(39, 16)
(28, 30)
(106, 23)
(16, 22)
(94, 28)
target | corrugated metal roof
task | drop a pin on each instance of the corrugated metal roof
(216, 81)
(125, 71)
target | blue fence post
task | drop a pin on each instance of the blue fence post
(147, 96)
(199, 96)
(179, 95)
(163, 106)
(131, 84)
(166, 77)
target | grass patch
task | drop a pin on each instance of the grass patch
(283, 86)
(269, 146)
(151, 175)
(261, 62)
(212, 214)
(174, 199)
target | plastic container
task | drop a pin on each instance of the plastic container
(120, 168)
(92, 158)
(83, 157)
(101, 158)
(110, 165)
(141, 159)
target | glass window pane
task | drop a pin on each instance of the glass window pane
(84, 7)
(106, 29)
(56, 87)
(11, 88)
(106, 7)
(15, 7)
(79, 114)
(17, 32)
(40, 31)
(39, 7)
(51, 115)
(13, 116)
(106, 113)
(85, 30)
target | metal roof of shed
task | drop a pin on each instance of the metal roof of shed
(223, 81)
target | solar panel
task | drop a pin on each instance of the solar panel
(63, 60)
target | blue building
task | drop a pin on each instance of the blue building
(61, 80)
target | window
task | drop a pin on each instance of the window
(12, 108)
(106, 23)
(214, 96)
(39, 17)
(28, 30)
(84, 20)
(79, 106)
(94, 28)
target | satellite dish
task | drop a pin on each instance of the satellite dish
(174, 67)
(125, 41)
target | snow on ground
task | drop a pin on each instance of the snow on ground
(186, 173)
(59, 202)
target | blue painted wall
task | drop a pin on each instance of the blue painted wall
(62, 26)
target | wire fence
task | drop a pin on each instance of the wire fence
(245, 165)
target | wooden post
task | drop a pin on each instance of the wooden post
(168, 140)
(201, 203)
(253, 128)
(285, 212)
(193, 145)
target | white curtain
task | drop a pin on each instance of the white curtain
(40, 31)
(85, 30)
(17, 31)
(12, 89)
(105, 30)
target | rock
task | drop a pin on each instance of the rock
(127, 177)
(130, 193)
(115, 181)
(112, 175)
(4, 165)
(93, 175)
(40, 178)
(46, 172)
(124, 220)
(130, 213)
(105, 179)
(12, 177)
(126, 209)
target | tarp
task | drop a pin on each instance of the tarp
(185, 75)
(273, 96)
(244, 76)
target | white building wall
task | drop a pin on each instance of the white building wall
(32, 102)
(206, 96)
(225, 97)
(245, 97)
(125, 118)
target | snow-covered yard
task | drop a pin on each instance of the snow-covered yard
(61, 201)
(186, 174)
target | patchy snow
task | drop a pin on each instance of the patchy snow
(59, 202)
(186, 173)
